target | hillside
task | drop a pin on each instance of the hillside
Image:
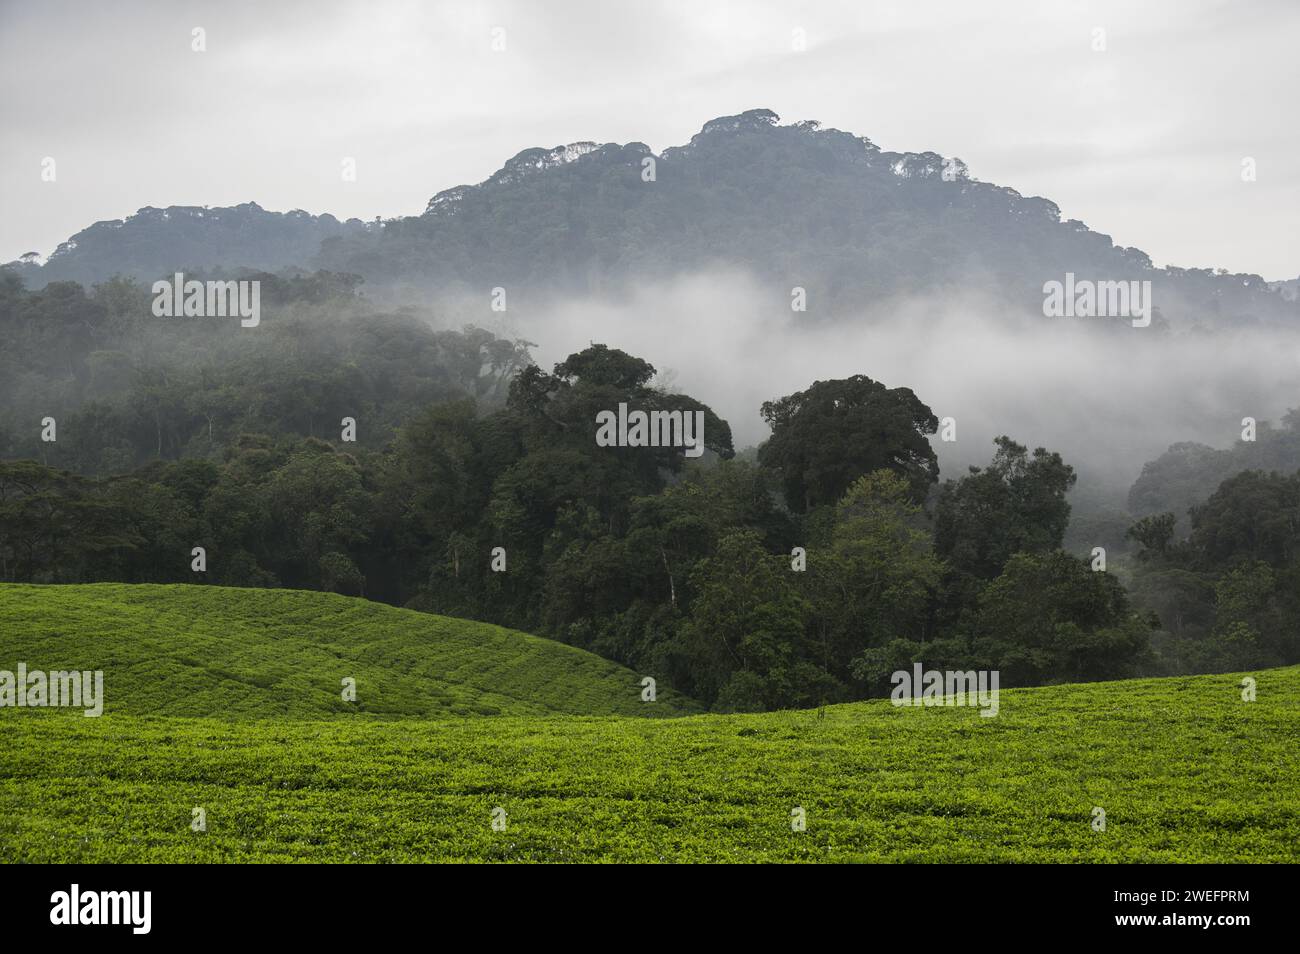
(242, 654)
(153, 241)
(858, 226)
(1184, 769)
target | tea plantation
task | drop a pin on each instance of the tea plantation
(1184, 769)
(257, 654)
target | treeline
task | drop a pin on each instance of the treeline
(124, 387)
(475, 487)
(1229, 594)
(805, 576)
(1186, 474)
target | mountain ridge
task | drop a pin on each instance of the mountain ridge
(798, 204)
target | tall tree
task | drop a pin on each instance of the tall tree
(827, 436)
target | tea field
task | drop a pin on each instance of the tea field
(255, 654)
(1184, 769)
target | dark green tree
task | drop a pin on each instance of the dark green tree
(829, 435)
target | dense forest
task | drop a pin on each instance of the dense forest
(125, 387)
(798, 574)
(357, 443)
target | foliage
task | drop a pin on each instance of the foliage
(248, 654)
(126, 388)
(1229, 595)
(1184, 769)
(825, 437)
(859, 227)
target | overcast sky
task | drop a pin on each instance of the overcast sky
(1143, 141)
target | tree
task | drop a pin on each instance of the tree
(874, 583)
(1015, 505)
(1050, 618)
(747, 622)
(827, 436)
(1252, 516)
(1154, 533)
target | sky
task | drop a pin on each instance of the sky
(1134, 117)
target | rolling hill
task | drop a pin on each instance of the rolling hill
(226, 653)
(1184, 768)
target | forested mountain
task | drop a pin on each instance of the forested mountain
(796, 205)
(153, 242)
(475, 483)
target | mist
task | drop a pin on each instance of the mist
(1108, 397)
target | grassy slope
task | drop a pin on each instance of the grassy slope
(1185, 770)
(258, 654)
